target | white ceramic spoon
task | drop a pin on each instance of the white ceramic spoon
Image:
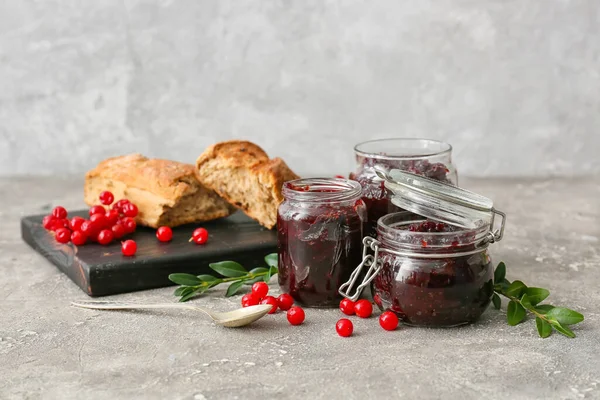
(231, 319)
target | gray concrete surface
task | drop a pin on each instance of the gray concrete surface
(49, 350)
(512, 84)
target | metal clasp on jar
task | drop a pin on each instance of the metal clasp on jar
(371, 261)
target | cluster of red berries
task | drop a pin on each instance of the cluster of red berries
(285, 302)
(428, 226)
(103, 226)
(362, 308)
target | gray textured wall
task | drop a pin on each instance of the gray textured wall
(514, 85)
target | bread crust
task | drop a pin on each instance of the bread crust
(160, 188)
(249, 161)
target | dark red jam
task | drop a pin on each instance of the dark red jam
(375, 195)
(436, 292)
(320, 229)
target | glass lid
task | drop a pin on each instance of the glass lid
(441, 201)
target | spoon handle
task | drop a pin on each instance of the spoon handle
(116, 305)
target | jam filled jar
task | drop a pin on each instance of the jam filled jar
(424, 157)
(431, 265)
(320, 229)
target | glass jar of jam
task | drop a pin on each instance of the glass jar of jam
(430, 265)
(320, 228)
(429, 158)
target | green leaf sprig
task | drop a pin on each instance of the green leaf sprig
(523, 298)
(232, 272)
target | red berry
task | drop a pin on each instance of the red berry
(272, 301)
(363, 308)
(388, 321)
(106, 198)
(75, 223)
(105, 236)
(129, 224)
(164, 234)
(118, 231)
(260, 289)
(347, 306)
(63, 235)
(97, 210)
(249, 300)
(48, 221)
(130, 210)
(100, 220)
(200, 236)
(295, 315)
(88, 228)
(78, 238)
(285, 301)
(344, 327)
(59, 223)
(339, 176)
(112, 216)
(129, 247)
(118, 206)
(59, 212)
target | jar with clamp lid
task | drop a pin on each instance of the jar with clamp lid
(430, 264)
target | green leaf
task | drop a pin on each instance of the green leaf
(259, 270)
(185, 279)
(208, 278)
(536, 295)
(543, 308)
(230, 269)
(515, 313)
(233, 288)
(181, 290)
(543, 327)
(516, 289)
(253, 280)
(526, 302)
(563, 329)
(271, 260)
(565, 316)
(500, 273)
(497, 302)
(191, 294)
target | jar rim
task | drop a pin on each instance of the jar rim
(317, 190)
(422, 148)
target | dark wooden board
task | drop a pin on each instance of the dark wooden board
(103, 270)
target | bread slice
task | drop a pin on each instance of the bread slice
(167, 193)
(242, 173)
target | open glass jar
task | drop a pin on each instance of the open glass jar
(320, 228)
(430, 265)
(429, 158)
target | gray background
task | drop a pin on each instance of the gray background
(514, 85)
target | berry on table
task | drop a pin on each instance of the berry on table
(129, 247)
(200, 236)
(105, 236)
(112, 216)
(75, 223)
(363, 308)
(388, 321)
(347, 306)
(119, 205)
(88, 228)
(129, 224)
(164, 234)
(78, 238)
(249, 300)
(59, 212)
(106, 198)
(118, 231)
(344, 327)
(260, 289)
(48, 221)
(285, 301)
(130, 210)
(100, 220)
(97, 210)
(63, 235)
(272, 301)
(295, 315)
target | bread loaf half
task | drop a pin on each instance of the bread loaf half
(242, 173)
(167, 193)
